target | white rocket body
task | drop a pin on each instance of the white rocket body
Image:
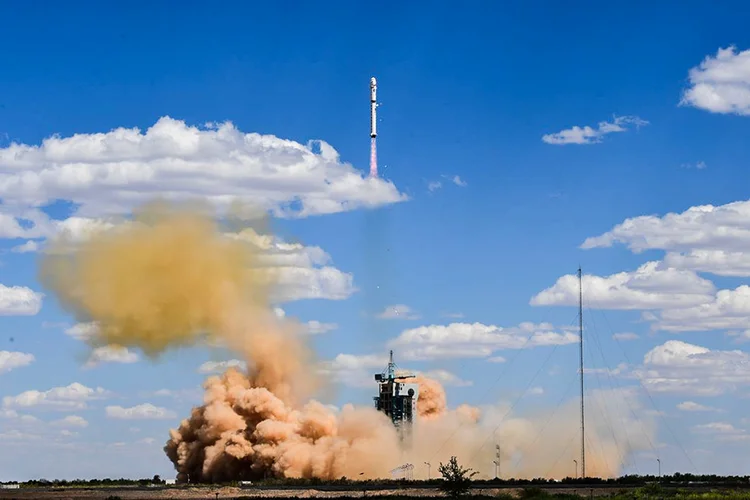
(373, 107)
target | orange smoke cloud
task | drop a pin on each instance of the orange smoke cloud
(431, 400)
(245, 432)
(170, 278)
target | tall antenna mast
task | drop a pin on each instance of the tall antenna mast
(580, 334)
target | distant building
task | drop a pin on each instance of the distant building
(170, 481)
(11, 486)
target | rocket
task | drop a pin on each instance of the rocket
(373, 107)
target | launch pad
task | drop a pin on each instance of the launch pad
(396, 397)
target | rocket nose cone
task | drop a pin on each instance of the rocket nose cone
(373, 82)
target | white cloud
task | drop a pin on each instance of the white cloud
(103, 354)
(355, 362)
(590, 135)
(679, 367)
(221, 366)
(10, 360)
(475, 339)
(705, 238)
(111, 172)
(14, 415)
(496, 359)
(145, 411)
(693, 406)
(398, 311)
(434, 186)
(28, 247)
(722, 431)
(82, 331)
(455, 179)
(19, 301)
(71, 421)
(354, 370)
(71, 397)
(728, 309)
(111, 354)
(447, 378)
(458, 181)
(536, 391)
(651, 286)
(625, 336)
(316, 327)
(303, 272)
(721, 83)
(697, 166)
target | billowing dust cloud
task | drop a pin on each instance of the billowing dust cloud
(171, 278)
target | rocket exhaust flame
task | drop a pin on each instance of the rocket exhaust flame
(373, 127)
(171, 277)
(373, 158)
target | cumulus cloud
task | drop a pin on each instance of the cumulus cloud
(720, 83)
(111, 172)
(704, 238)
(398, 311)
(722, 431)
(354, 370)
(111, 354)
(28, 247)
(466, 340)
(693, 406)
(19, 301)
(680, 367)
(103, 354)
(652, 286)
(71, 397)
(728, 309)
(304, 272)
(316, 327)
(145, 411)
(590, 135)
(10, 360)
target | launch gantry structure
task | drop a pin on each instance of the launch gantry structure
(391, 399)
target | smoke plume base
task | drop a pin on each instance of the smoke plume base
(170, 277)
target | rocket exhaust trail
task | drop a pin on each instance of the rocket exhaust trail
(373, 127)
(373, 158)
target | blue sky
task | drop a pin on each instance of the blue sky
(469, 93)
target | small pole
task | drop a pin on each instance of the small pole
(497, 461)
(576, 462)
(659, 462)
(428, 470)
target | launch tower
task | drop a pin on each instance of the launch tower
(394, 399)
